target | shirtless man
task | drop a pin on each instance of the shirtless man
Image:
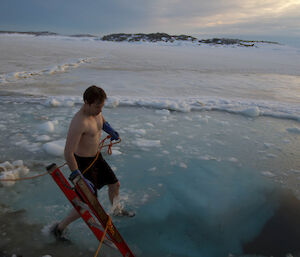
(81, 148)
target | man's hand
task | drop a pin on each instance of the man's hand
(76, 173)
(109, 130)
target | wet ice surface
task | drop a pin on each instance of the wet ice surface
(32, 242)
(201, 183)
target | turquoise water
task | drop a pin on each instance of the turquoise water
(201, 183)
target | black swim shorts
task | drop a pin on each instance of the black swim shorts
(100, 174)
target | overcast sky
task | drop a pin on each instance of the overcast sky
(259, 18)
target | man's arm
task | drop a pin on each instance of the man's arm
(109, 130)
(76, 130)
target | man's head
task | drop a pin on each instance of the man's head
(94, 98)
(94, 94)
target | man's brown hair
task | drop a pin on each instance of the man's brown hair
(94, 94)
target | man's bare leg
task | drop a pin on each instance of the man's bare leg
(117, 208)
(113, 194)
(72, 216)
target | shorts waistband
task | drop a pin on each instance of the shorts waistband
(84, 158)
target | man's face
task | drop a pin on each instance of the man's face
(96, 108)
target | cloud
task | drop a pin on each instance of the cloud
(233, 15)
(78, 15)
(171, 16)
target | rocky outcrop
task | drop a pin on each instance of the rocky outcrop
(220, 41)
(152, 37)
(163, 37)
(229, 41)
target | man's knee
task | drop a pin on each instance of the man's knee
(114, 186)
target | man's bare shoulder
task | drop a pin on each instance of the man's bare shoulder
(79, 120)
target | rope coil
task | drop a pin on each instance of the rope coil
(101, 145)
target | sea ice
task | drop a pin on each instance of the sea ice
(17, 163)
(251, 112)
(183, 165)
(140, 132)
(6, 166)
(268, 174)
(112, 102)
(293, 130)
(150, 124)
(271, 155)
(47, 127)
(294, 171)
(7, 175)
(54, 103)
(208, 157)
(43, 138)
(268, 145)
(286, 141)
(140, 142)
(55, 148)
(115, 152)
(163, 112)
(12, 171)
(233, 159)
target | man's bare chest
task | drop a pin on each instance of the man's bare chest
(94, 127)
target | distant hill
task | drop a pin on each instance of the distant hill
(39, 33)
(43, 33)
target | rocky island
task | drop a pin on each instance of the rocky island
(153, 38)
(164, 37)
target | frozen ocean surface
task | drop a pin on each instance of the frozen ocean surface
(210, 141)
